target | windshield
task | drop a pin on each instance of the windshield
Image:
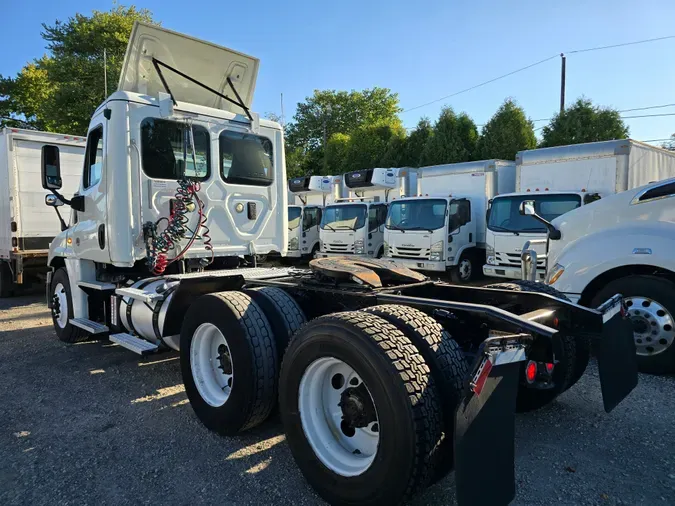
(344, 217)
(294, 214)
(505, 213)
(423, 214)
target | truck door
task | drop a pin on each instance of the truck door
(377, 215)
(461, 226)
(90, 240)
(310, 230)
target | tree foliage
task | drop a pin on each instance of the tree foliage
(415, 143)
(454, 139)
(368, 145)
(669, 145)
(506, 133)
(583, 122)
(61, 90)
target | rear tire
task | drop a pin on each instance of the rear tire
(404, 399)
(445, 360)
(283, 313)
(7, 285)
(572, 355)
(229, 362)
(62, 309)
(651, 307)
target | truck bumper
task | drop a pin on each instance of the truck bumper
(500, 271)
(293, 253)
(419, 264)
(324, 254)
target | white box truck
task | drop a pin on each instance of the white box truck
(354, 224)
(310, 194)
(561, 179)
(26, 225)
(443, 226)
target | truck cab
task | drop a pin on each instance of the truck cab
(307, 197)
(508, 230)
(354, 225)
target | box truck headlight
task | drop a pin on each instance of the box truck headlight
(358, 247)
(554, 274)
(436, 252)
(293, 244)
(386, 248)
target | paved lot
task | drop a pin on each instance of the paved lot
(92, 424)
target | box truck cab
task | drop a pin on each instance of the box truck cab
(443, 227)
(307, 197)
(559, 180)
(354, 224)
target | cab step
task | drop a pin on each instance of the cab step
(133, 343)
(97, 285)
(92, 327)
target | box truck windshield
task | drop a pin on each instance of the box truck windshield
(505, 214)
(423, 214)
(294, 214)
(344, 217)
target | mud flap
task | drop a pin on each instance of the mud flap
(484, 439)
(617, 359)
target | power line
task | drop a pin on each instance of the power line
(649, 115)
(621, 45)
(482, 84)
(598, 48)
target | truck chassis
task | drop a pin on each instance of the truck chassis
(386, 380)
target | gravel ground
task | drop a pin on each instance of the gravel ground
(93, 424)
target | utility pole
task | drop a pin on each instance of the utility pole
(562, 82)
(326, 111)
(105, 73)
(283, 123)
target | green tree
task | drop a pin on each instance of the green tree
(506, 133)
(583, 122)
(415, 143)
(61, 90)
(454, 139)
(669, 145)
(368, 145)
(336, 153)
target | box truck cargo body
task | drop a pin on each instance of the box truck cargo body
(558, 180)
(27, 226)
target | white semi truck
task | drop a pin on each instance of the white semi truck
(310, 195)
(354, 224)
(442, 227)
(561, 179)
(376, 398)
(26, 225)
(623, 244)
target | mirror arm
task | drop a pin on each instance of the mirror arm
(61, 198)
(553, 233)
(58, 213)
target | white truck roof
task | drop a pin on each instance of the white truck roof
(208, 63)
(485, 177)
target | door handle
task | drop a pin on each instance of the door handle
(101, 236)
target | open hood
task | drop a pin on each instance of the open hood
(207, 63)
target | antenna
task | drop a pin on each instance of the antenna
(105, 73)
(282, 111)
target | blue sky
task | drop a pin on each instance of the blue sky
(421, 49)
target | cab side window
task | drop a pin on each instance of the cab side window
(377, 215)
(459, 214)
(93, 161)
(312, 217)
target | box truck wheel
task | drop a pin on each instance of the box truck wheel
(445, 359)
(360, 410)
(651, 308)
(571, 355)
(464, 271)
(6, 281)
(62, 309)
(228, 361)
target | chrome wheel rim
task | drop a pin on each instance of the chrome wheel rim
(211, 365)
(60, 305)
(652, 325)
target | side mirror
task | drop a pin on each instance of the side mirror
(527, 208)
(77, 203)
(50, 168)
(52, 200)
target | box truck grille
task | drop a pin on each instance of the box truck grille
(513, 260)
(339, 248)
(400, 252)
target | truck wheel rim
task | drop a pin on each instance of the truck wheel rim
(652, 325)
(211, 364)
(465, 269)
(338, 417)
(60, 305)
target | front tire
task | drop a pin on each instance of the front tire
(651, 307)
(379, 377)
(464, 271)
(62, 309)
(228, 360)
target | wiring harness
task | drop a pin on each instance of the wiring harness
(158, 243)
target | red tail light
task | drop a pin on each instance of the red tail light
(549, 368)
(531, 371)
